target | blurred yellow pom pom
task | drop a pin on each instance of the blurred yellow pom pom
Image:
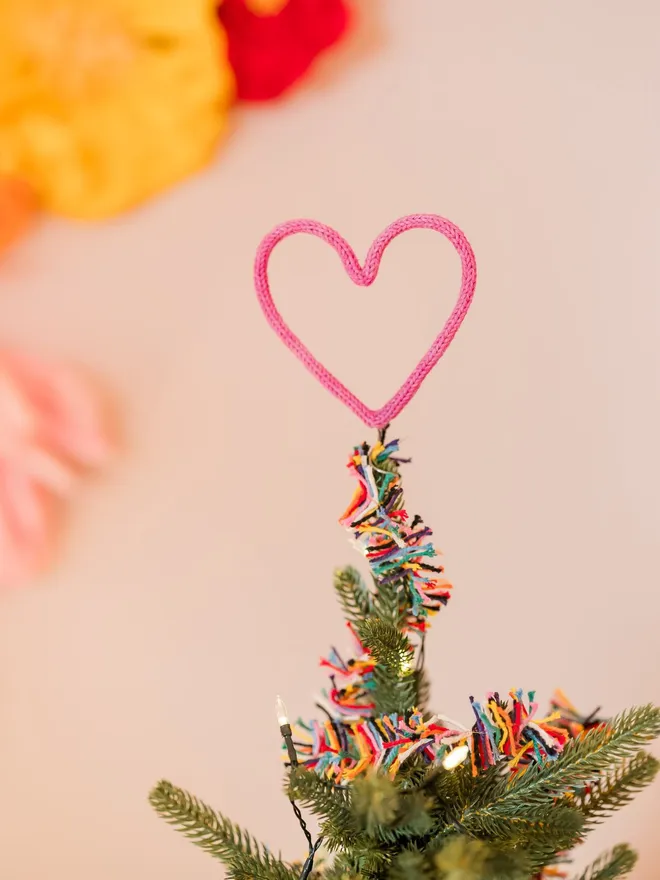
(106, 102)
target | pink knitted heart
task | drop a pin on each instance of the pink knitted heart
(364, 276)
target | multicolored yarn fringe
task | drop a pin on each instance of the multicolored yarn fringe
(504, 731)
(341, 750)
(570, 719)
(398, 552)
(510, 731)
(352, 681)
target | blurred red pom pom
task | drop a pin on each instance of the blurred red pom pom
(271, 52)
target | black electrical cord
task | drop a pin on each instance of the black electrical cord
(420, 656)
(285, 730)
(309, 861)
(303, 824)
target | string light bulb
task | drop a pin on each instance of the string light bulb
(407, 665)
(455, 758)
(285, 730)
(282, 714)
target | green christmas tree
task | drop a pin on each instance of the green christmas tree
(402, 793)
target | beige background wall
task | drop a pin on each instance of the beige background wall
(195, 578)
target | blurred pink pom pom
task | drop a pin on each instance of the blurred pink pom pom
(50, 429)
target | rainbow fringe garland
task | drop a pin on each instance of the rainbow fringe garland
(503, 731)
(397, 552)
(353, 739)
(341, 750)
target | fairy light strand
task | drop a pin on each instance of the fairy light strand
(285, 731)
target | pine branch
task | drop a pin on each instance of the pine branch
(415, 775)
(387, 812)
(555, 828)
(410, 864)
(375, 802)
(391, 601)
(339, 868)
(387, 644)
(617, 788)
(394, 675)
(367, 860)
(583, 760)
(541, 835)
(359, 863)
(463, 858)
(355, 599)
(452, 792)
(245, 858)
(617, 863)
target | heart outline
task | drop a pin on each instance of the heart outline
(363, 276)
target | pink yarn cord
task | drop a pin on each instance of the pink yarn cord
(365, 276)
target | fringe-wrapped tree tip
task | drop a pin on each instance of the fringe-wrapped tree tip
(404, 793)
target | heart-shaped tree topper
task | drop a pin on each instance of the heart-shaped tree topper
(364, 276)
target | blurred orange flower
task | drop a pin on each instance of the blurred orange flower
(50, 427)
(105, 102)
(17, 209)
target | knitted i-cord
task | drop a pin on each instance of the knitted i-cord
(364, 276)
